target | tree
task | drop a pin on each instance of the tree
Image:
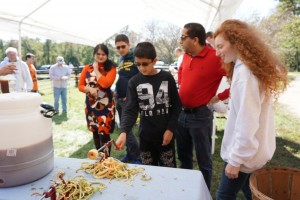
(164, 36)
(46, 52)
(2, 50)
(291, 5)
(282, 32)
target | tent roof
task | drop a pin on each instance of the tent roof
(90, 22)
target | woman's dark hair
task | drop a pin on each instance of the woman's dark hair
(145, 50)
(196, 30)
(108, 63)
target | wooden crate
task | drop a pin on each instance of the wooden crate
(275, 183)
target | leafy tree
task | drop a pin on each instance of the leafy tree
(282, 32)
(2, 50)
(164, 37)
(46, 52)
(291, 5)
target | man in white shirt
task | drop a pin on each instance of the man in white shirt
(210, 39)
(179, 54)
(60, 74)
(22, 78)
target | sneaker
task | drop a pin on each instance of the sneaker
(136, 162)
(125, 159)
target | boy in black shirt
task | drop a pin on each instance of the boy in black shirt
(153, 94)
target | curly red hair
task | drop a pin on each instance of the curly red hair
(255, 54)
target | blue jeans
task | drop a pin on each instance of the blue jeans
(63, 93)
(228, 188)
(133, 149)
(194, 130)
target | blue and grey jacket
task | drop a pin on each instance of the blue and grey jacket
(126, 70)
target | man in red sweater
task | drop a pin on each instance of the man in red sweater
(199, 77)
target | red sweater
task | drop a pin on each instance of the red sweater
(199, 78)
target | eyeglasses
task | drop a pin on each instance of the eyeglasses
(143, 64)
(121, 47)
(183, 37)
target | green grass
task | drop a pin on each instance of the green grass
(72, 139)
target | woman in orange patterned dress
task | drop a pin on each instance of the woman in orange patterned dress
(95, 81)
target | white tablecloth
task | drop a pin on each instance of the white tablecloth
(166, 183)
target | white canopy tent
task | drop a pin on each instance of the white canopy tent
(90, 22)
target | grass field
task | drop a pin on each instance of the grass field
(71, 138)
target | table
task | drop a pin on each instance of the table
(166, 184)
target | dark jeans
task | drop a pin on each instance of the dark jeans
(133, 150)
(228, 188)
(194, 130)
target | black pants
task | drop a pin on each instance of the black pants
(132, 144)
(100, 139)
(155, 154)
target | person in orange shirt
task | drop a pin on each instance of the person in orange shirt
(95, 81)
(29, 61)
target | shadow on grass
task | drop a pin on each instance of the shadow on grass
(82, 152)
(59, 118)
(287, 154)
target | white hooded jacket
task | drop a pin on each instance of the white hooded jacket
(249, 137)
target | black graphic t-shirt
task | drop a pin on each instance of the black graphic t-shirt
(156, 99)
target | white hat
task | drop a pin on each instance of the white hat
(60, 60)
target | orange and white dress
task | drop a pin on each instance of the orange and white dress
(100, 110)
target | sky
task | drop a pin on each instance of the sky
(260, 7)
(246, 10)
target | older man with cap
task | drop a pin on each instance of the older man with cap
(29, 61)
(21, 75)
(60, 74)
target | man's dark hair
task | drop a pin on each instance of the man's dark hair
(209, 34)
(145, 50)
(121, 38)
(28, 55)
(196, 30)
(108, 63)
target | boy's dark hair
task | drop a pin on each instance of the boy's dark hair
(121, 38)
(209, 34)
(108, 63)
(145, 50)
(196, 30)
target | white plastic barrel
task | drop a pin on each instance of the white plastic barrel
(26, 147)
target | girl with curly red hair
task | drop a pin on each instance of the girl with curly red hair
(257, 77)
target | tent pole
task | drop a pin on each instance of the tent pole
(20, 24)
(20, 42)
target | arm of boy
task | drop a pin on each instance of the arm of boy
(121, 141)
(129, 114)
(175, 105)
(168, 135)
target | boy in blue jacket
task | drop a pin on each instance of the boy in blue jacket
(126, 70)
